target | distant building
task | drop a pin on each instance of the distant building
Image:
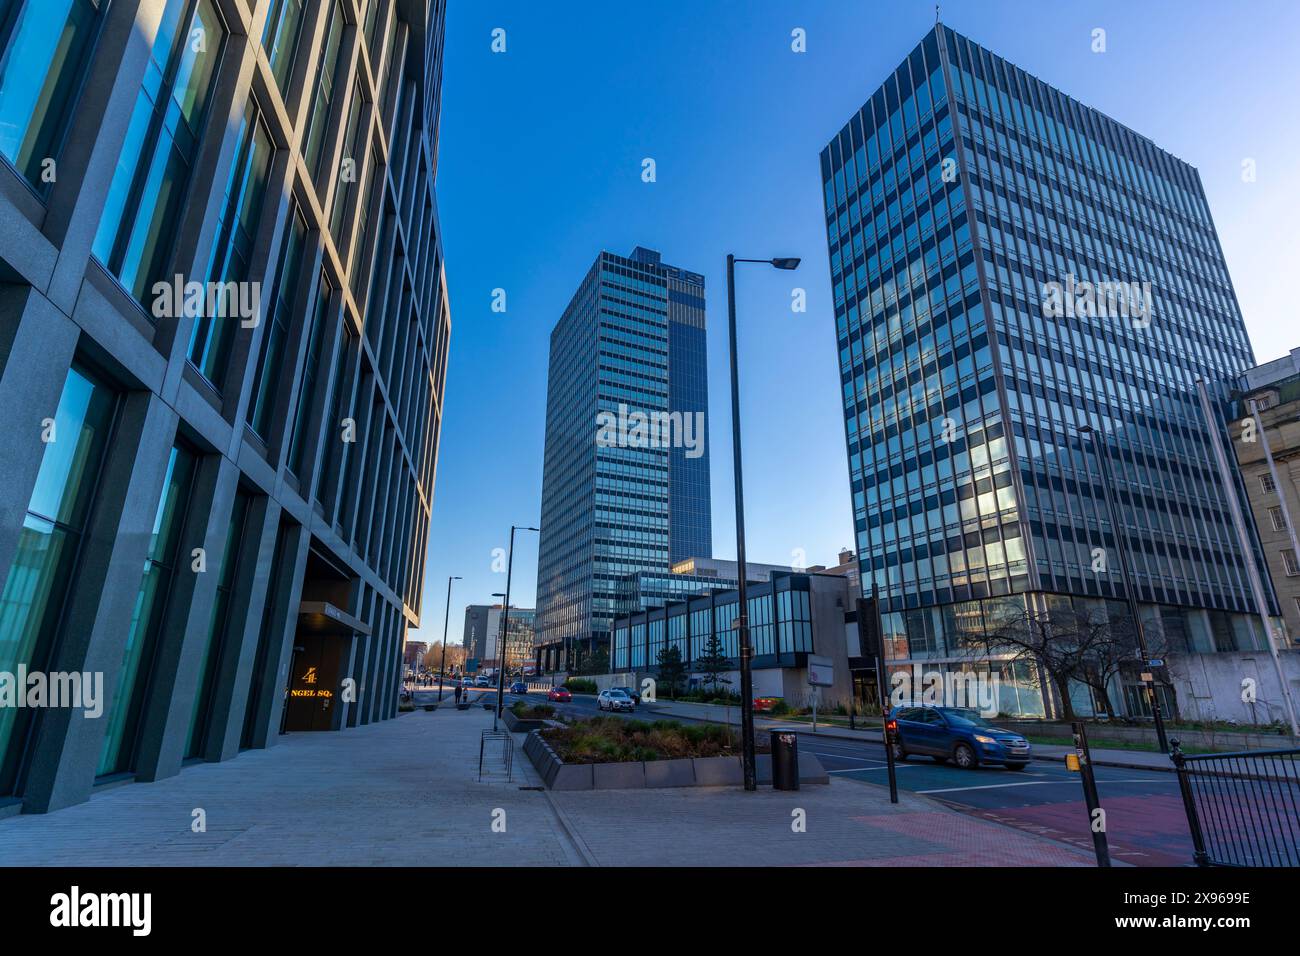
(847, 567)
(1275, 389)
(625, 483)
(483, 631)
(413, 655)
(791, 615)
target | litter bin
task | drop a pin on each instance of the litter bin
(785, 760)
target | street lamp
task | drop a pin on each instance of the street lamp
(1122, 546)
(445, 618)
(742, 618)
(505, 627)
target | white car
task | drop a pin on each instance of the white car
(613, 700)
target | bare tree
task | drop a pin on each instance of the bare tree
(1087, 645)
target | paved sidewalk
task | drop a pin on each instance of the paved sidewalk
(405, 792)
(1102, 757)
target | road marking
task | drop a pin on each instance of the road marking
(1025, 783)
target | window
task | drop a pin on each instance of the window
(307, 385)
(118, 750)
(324, 96)
(135, 236)
(276, 333)
(232, 252)
(56, 520)
(349, 170)
(1266, 484)
(217, 626)
(280, 38)
(1289, 562)
(1277, 518)
(46, 45)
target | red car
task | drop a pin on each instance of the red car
(560, 694)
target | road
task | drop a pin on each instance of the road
(1145, 822)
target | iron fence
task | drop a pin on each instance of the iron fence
(1243, 808)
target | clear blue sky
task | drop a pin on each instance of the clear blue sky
(540, 168)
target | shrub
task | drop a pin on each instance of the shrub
(578, 685)
(524, 711)
(609, 739)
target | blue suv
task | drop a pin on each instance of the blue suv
(956, 734)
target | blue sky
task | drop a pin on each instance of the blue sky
(540, 168)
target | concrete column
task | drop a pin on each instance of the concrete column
(247, 603)
(37, 343)
(94, 142)
(102, 602)
(281, 624)
(178, 658)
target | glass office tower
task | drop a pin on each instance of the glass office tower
(204, 499)
(619, 494)
(980, 224)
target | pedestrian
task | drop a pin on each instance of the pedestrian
(458, 691)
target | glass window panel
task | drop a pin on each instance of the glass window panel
(46, 46)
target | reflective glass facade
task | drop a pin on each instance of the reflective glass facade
(631, 342)
(957, 199)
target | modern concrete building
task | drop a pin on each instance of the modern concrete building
(223, 341)
(1025, 290)
(791, 616)
(625, 484)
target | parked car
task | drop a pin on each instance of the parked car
(518, 687)
(957, 734)
(482, 681)
(636, 698)
(560, 694)
(614, 700)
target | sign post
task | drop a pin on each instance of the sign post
(821, 673)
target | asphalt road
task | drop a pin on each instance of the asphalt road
(1145, 822)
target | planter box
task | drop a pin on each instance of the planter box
(462, 706)
(625, 775)
(718, 772)
(637, 774)
(670, 773)
(520, 725)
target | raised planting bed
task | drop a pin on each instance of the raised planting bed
(608, 753)
(523, 719)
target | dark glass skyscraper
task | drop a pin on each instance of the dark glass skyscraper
(1008, 266)
(625, 486)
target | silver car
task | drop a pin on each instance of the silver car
(614, 700)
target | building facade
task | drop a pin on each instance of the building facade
(1009, 266)
(625, 485)
(482, 635)
(791, 616)
(223, 342)
(1274, 493)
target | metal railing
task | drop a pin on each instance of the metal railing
(1243, 808)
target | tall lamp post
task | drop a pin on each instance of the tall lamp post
(442, 668)
(1121, 545)
(505, 627)
(742, 618)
